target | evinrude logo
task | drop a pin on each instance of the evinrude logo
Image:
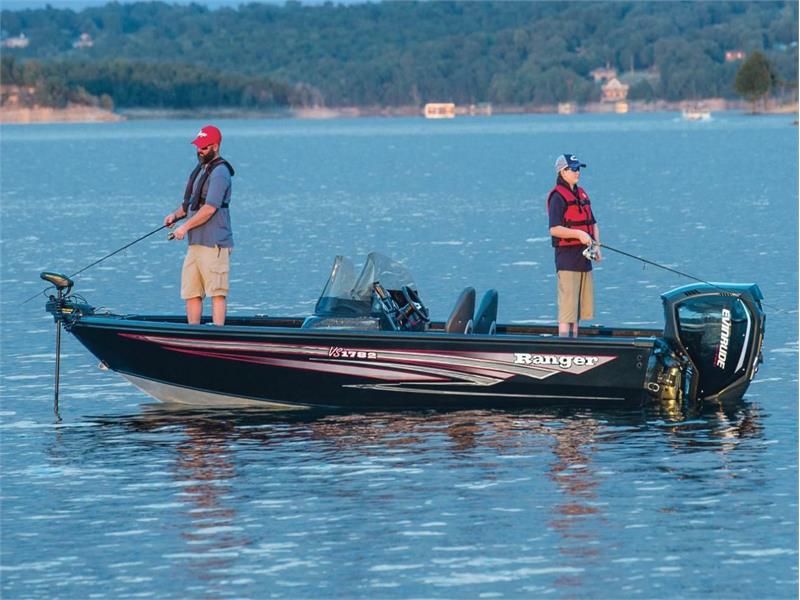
(337, 352)
(561, 361)
(724, 338)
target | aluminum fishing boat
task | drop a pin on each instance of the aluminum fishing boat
(371, 345)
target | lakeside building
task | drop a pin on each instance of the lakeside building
(481, 109)
(565, 108)
(734, 55)
(16, 96)
(603, 74)
(18, 41)
(614, 91)
(84, 41)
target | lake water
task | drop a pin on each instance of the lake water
(127, 498)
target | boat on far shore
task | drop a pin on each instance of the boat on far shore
(696, 114)
(439, 110)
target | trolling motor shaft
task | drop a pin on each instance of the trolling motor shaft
(62, 306)
(63, 286)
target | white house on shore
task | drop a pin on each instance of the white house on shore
(17, 41)
(84, 41)
(614, 91)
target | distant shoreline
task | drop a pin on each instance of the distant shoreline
(70, 114)
(91, 114)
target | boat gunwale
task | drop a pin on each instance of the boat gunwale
(174, 324)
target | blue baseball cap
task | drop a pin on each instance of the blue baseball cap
(568, 160)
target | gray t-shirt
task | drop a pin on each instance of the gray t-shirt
(217, 230)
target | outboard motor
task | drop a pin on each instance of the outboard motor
(715, 332)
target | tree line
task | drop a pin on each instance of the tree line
(134, 84)
(397, 54)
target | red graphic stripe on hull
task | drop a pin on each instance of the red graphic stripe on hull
(336, 368)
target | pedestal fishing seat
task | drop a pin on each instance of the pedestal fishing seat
(460, 320)
(486, 315)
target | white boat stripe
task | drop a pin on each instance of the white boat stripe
(746, 338)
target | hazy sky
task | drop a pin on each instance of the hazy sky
(79, 4)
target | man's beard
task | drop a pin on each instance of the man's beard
(206, 158)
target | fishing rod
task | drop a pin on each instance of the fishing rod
(655, 264)
(671, 270)
(99, 260)
(63, 286)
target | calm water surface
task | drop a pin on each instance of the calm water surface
(127, 498)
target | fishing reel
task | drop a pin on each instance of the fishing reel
(592, 252)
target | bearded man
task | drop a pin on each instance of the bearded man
(206, 202)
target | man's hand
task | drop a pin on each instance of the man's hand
(180, 232)
(584, 238)
(174, 217)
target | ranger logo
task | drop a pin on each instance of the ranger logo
(569, 363)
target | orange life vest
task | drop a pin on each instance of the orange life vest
(578, 214)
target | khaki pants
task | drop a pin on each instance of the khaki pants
(205, 272)
(575, 288)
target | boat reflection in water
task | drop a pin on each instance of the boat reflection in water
(276, 495)
(205, 471)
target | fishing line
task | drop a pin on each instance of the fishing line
(98, 261)
(655, 264)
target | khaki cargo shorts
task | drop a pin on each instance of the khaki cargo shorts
(205, 272)
(571, 286)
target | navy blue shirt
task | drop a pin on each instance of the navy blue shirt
(568, 258)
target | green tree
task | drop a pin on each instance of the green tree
(10, 71)
(754, 78)
(396, 53)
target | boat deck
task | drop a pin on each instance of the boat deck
(510, 329)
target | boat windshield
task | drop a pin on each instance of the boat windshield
(346, 295)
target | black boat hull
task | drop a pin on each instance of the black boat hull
(371, 346)
(290, 366)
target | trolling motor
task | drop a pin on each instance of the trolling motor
(60, 306)
(56, 306)
(64, 307)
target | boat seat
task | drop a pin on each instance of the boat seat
(460, 320)
(486, 315)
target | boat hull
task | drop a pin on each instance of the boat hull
(289, 367)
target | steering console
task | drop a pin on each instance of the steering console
(415, 313)
(412, 316)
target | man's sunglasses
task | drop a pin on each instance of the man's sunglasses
(575, 168)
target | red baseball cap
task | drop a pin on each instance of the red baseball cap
(207, 136)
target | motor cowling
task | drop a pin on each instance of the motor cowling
(718, 330)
